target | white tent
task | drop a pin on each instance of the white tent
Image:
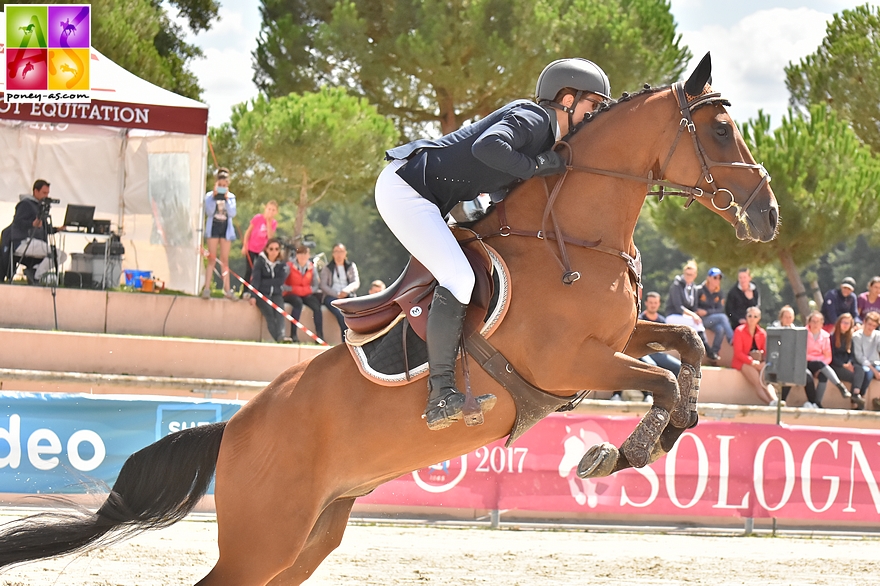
(137, 153)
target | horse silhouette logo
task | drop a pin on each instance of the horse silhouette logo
(27, 67)
(67, 29)
(67, 68)
(585, 491)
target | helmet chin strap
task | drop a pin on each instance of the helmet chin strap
(566, 109)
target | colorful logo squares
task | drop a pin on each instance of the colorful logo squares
(47, 46)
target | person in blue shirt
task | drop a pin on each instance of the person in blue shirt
(426, 178)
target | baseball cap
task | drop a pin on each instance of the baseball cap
(849, 282)
(715, 272)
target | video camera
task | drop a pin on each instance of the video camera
(46, 205)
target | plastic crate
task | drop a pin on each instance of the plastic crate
(135, 278)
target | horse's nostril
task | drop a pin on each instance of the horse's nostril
(774, 218)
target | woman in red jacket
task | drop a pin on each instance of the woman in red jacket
(301, 288)
(749, 345)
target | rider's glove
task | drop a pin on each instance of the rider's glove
(549, 163)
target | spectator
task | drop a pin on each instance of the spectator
(219, 231)
(376, 286)
(304, 289)
(661, 359)
(710, 307)
(870, 299)
(842, 358)
(819, 357)
(749, 345)
(28, 236)
(270, 272)
(339, 279)
(839, 301)
(866, 348)
(258, 233)
(741, 297)
(681, 305)
(786, 320)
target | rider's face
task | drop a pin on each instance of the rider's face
(587, 103)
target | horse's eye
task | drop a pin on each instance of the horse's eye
(722, 130)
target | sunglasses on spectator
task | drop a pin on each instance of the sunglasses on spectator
(274, 248)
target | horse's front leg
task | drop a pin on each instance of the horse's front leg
(649, 337)
(621, 372)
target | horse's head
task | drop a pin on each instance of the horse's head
(730, 183)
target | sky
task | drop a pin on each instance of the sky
(751, 43)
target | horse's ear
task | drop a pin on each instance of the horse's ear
(700, 77)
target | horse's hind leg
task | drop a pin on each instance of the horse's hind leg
(326, 536)
(650, 337)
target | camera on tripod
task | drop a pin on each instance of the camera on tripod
(46, 205)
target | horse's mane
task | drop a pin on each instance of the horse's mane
(609, 104)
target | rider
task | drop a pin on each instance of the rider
(427, 178)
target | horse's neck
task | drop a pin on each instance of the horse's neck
(628, 139)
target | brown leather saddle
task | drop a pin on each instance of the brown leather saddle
(412, 292)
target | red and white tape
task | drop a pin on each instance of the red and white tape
(280, 310)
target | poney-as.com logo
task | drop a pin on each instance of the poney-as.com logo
(47, 53)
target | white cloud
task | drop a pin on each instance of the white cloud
(749, 57)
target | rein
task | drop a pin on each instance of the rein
(666, 187)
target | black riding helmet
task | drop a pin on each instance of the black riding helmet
(578, 74)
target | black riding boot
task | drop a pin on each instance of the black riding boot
(445, 323)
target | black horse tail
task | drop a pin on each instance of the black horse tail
(156, 487)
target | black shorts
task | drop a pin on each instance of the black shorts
(218, 229)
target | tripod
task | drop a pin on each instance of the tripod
(46, 224)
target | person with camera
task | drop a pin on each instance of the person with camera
(219, 231)
(28, 235)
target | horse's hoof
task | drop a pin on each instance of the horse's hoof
(599, 461)
(689, 389)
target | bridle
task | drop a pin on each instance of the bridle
(686, 107)
(665, 187)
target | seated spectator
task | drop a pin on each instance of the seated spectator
(749, 345)
(786, 320)
(839, 301)
(258, 233)
(269, 274)
(339, 280)
(681, 306)
(661, 359)
(870, 299)
(303, 288)
(26, 239)
(376, 286)
(710, 307)
(843, 360)
(866, 348)
(742, 296)
(819, 357)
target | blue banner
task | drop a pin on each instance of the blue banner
(65, 443)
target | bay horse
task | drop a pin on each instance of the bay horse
(291, 462)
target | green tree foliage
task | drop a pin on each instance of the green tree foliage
(140, 36)
(446, 62)
(304, 148)
(827, 184)
(844, 72)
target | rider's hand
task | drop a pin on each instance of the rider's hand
(549, 163)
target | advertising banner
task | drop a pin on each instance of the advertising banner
(64, 444)
(716, 469)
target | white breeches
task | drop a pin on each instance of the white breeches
(418, 225)
(36, 248)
